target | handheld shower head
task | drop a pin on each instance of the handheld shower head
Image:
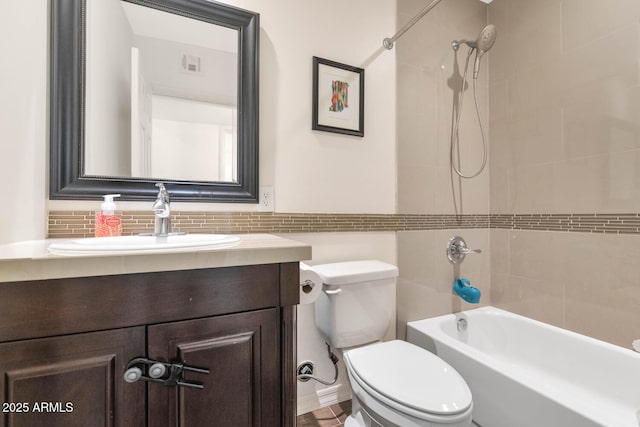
(486, 39)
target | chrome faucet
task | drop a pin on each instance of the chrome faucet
(162, 209)
(457, 249)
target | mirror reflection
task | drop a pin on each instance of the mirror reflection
(161, 95)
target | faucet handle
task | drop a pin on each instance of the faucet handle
(162, 192)
(162, 209)
(457, 249)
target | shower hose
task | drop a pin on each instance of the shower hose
(455, 143)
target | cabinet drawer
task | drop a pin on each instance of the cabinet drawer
(65, 306)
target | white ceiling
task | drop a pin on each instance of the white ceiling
(149, 22)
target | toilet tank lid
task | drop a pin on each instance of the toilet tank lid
(344, 273)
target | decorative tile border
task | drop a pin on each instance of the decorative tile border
(80, 223)
(65, 224)
(628, 223)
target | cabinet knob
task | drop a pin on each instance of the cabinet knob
(132, 375)
(157, 370)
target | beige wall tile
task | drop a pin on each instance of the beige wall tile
(417, 90)
(605, 183)
(531, 189)
(499, 248)
(528, 274)
(591, 66)
(534, 88)
(498, 101)
(603, 293)
(418, 295)
(538, 299)
(499, 167)
(584, 21)
(536, 137)
(535, 255)
(602, 321)
(534, 30)
(602, 121)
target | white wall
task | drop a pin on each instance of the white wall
(316, 171)
(23, 120)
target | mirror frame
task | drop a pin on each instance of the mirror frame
(67, 178)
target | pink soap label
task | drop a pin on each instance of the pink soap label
(112, 221)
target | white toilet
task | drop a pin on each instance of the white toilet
(394, 383)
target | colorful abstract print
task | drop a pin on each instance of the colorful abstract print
(339, 96)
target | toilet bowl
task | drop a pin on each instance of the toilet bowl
(394, 383)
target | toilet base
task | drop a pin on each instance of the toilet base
(360, 417)
(357, 421)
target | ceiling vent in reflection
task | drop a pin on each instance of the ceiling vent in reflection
(191, 63)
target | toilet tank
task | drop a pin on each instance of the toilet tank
(357, 301)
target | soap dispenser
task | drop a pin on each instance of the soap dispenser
(107, 222)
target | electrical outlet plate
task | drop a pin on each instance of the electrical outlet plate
(266, 199)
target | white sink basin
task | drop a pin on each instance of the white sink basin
(110, 245)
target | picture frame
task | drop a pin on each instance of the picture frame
(338, 98)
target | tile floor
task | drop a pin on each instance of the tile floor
(331, 416)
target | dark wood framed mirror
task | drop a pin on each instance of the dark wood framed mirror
(69, 176)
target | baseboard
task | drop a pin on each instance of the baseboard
(323, 398)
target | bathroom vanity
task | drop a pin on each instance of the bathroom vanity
(67, 336)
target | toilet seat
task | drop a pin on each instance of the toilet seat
(410, 380)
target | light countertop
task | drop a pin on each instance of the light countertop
(30, 260)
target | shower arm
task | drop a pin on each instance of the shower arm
(388, 42)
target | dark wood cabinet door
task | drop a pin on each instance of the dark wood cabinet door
(72, 381)
(242, 389)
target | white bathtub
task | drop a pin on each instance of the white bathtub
(524, 373)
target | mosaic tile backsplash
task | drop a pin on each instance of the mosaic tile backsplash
(66, 224)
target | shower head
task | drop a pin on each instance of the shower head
(486, 39)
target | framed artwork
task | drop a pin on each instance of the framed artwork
(338, 97)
